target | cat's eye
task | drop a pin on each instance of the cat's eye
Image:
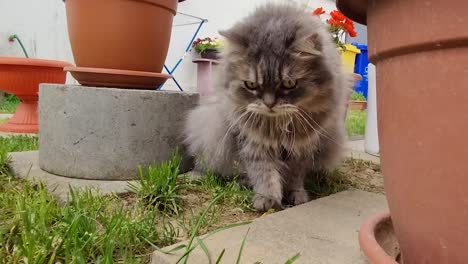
(289, 84)
(250, 85)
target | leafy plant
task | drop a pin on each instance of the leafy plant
(158, 185)
(9, 104)
(202, 45)
(358, 96)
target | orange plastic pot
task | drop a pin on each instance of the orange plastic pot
(22, 76)
(422, 95)
(131, 35)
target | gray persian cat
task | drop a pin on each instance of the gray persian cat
(278, 111)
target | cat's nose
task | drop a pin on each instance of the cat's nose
(269, 100)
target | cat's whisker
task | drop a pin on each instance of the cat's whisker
(319, 132)
(247, 121)
(291, 148)
(311, 119)
(233, 124)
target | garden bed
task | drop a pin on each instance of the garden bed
(165, 208)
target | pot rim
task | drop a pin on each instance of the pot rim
(372, 249)
(356, 10)
(166, 4)
(33, 62)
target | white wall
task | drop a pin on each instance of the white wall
(41, 25)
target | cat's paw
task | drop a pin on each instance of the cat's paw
(263, 203)
(297, 197)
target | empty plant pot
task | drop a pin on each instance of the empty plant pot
(378, 240)
(126, 35)
(422, 79)
(22, 76)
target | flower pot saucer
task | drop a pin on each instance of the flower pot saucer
(100, 77)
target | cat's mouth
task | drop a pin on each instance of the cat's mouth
(277, 110)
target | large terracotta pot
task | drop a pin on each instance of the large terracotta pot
(22, 76)
(420, 49)
(124, 35)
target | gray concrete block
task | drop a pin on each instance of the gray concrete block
(324, 231)
(105, 133)
(26, 165)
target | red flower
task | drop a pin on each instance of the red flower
(318, 11)
(348, 24)
(337, 15)
(11, 38)
(352, 33)
(331, 21)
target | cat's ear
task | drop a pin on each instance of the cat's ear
(309, 47)
(233, 37)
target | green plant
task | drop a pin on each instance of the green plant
(90, 228)
(325, 183)
(358, 96)
(201, 45)
(158, 185)
(233, 192)
(14, 37)
(9, 104)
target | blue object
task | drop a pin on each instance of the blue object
(360, 67)
(187, 50)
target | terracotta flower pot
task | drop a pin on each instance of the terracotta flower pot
(357, 105)
(22, 76)
(119, 38)
(422, 79)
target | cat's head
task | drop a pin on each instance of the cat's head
(276, 62)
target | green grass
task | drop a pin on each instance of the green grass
(19, 143)
(158, 186)
(323, 184)
(92, 228)
(9, 104)
(356, 122)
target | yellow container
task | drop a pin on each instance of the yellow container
(348, 57)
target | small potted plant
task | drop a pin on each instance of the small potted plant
(208, 48)
(358, 101)
(339, 25)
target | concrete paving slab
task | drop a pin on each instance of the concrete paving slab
(324, 231)
(355, 149)
(26, 165)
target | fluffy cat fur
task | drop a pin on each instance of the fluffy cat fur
(279, 107)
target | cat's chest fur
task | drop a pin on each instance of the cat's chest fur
(279, 141)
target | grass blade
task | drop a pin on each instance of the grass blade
(293, 259)
(205, 249)
(220, 256)
(197, 228)
(242, 247)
